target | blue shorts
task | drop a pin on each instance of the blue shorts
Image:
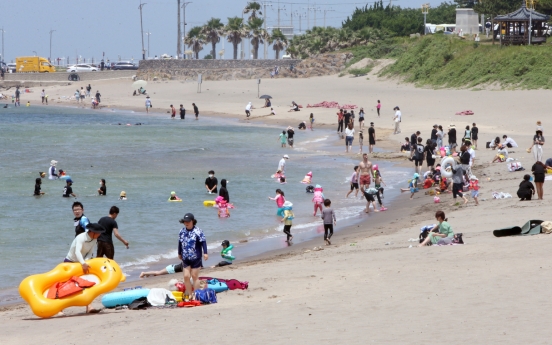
(349, 141)
(196, 263)
(474, 193)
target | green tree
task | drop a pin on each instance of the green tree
(212, 32)
(252, 7)
(257, 34)
(235, 31)
(279, 42)
(195, 40)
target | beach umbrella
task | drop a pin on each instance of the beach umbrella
(138, 84)
(266, 97)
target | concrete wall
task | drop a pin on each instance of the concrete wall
(63, 76)
(212, 64)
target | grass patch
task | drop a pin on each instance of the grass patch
(361, 71)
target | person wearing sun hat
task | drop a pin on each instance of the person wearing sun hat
(122, 196)
(282, 164)
(287, 220)
(52, 173)
(191, 245)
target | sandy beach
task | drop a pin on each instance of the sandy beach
(372, 285)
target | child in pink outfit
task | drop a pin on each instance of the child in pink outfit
(318, 199)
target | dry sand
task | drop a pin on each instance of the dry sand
(369, 286)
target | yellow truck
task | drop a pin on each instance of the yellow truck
(27, 64)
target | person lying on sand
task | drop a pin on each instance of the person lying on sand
(171, 269)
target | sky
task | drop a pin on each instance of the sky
(90, 29)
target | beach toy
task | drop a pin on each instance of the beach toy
(217, 285)
(114, 299)
(177, 295)
(104, 272)
(179, 200)
(224, 253)
(209, 203)
(445, 163)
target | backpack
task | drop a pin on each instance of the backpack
(419, 152)
(206, 296)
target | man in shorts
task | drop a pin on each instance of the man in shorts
(290, 134)
(419, 153)
(105, 241)
(364, 172)
(371, 137)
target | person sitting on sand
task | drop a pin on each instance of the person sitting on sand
(526, 189)
(493, 145)
(294, 107)
(445, 234)
(170, 269)
(226, 254)
(428, 182)
(412, 186)
(501, 155)
(174, 197)
(267, 104)
(406, 146)
(272, 112)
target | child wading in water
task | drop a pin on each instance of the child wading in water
(223, 211)
(280, 200)
(318, 199)
(311, 121)
(328, 217)
(174, 197)
(412, 186)
(369, 194)
(360, 140)
(378, 180)
(287, 220)
(354, 182)
(283, 138)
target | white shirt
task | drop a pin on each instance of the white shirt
(82, 248)
(349, 132)
(248, 106)
(472, 155)
(282, 165)
(511, 142)
(398, 116)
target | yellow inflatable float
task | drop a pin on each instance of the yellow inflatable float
(104, 272)
(209, 203)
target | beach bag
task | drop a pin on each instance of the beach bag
(310, 189)
(514, 166)
(458, 239)
(206, 296)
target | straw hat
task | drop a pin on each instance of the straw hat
(123, 193)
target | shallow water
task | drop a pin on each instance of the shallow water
(148, 162)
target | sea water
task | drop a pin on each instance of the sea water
(148, 161)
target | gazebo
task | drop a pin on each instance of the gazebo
(514, 27)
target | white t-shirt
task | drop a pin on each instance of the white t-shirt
(282, 165)
(511, 142)
(472, 155)
(398, 116)
(248, 106)
(349, 132)
(82, 248)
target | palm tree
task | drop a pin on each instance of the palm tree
(253, 7)
(195, 40)
(279, 41)
(212, 31)
(235, 31)
(257, 34)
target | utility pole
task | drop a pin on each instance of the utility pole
(531, 6)
(179, 33)
(50, 57)
(325, 10)
(309, 8)
(3, 56)
(184, 24)
(425, 11)
(265, 50)
(142, 29)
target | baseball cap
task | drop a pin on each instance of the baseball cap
(188, 217)
(286, 156)
(69, 180)
(95, 227)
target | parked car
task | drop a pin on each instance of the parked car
(81, 68)
(123, 65)
(11, 67)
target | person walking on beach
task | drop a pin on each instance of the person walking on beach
(360, 141)
(211, 182)
(452, 136)
(419, 155)
(148, 104)
(346, 118)
(474, 135)
(340, 122)
(364, 172)
(82, 249)
(440, 137)
(354, 182)
(88, 90)
(349, 137)
(248, 109)
(191, 245)
(287, 220)
(538, 141)
(105, 241)
(98, 97)
(328, 218)
(283, 139)
(196, 110)
(361, 119)
(223, 192)
(80, 220)
(290, 134)
(82, 94)
(173, 112)
(43, 95)
(397, 120)
(433, 137)
(182, 112)
(378, 107)
(458, 184)
(371, 137)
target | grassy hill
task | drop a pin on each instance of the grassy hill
(444, 61)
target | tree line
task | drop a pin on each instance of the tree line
(235, 31)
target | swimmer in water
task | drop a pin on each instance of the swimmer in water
(37, 190)
(122, 196)
(174, 197)
(102, 190)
